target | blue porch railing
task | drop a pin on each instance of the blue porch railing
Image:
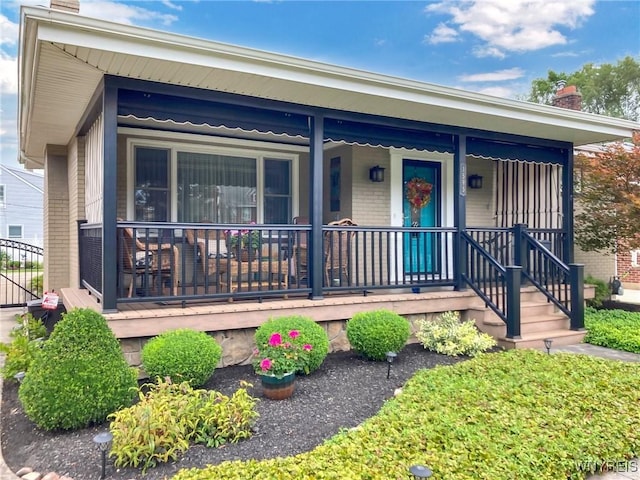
(180, 262)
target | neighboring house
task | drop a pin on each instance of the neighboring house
(190, 141)
(21, 205)
(604, 265)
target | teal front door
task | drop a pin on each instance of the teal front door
(420, 248)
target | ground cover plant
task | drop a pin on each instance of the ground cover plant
(25, 344)
(169, 417)
(616, 329)
(516, 414)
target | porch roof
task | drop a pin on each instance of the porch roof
(64, 57)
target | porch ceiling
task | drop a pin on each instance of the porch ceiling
(64, 57)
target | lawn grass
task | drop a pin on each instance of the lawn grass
(616, 329)
(516, 414)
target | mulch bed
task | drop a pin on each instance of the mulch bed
(345, 391)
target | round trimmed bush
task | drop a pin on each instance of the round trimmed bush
(310, 332)
(79, 376)
(182, 355)
(375, 333)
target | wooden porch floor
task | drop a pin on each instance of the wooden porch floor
(147, 319)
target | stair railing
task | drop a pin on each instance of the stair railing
(497, 285)
(561, 284)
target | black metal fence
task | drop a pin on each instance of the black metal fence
(90, 257)
(21, 273)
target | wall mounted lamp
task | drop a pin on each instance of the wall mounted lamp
(376, 174)
(475, 181)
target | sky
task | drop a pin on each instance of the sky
(497, 47)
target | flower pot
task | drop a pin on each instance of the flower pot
(276, 388)
(246, 255)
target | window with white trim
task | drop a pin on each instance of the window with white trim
(187, 183)
(3, 200)
(635, 258)
(14, 231)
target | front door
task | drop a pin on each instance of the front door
(420, 208)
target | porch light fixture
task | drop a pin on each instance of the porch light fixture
(547, 344)
(391, 356)
(376, 174)
(420, 471)
(102, 440)
(475, 181)
(19, 376)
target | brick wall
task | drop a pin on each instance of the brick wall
(628, 263)
(75, 180)
(56, 219)
(480, 201)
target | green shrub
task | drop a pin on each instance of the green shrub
(520, 414)
(79, 377)
(310, 332)
(613, 329)
(182, 355)
(375, 333)
(449, 336)
(164, 421)
(36, 285)
(602, 292)
(26, 342)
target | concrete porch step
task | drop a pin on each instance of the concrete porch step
(560, 337)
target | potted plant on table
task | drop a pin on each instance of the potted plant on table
(244, 243)
(276, 362)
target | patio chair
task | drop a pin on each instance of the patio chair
(300, 250)
(212, 250)
(337, 252)
(141, 259)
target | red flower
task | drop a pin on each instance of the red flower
(294, 334)
(265, 364)
(275, 339)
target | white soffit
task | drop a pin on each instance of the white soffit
(75, 51)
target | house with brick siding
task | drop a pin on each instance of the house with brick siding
(198, 184)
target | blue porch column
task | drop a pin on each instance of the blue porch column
(109, 197)
(567, 206)
(316, 153)
(460, 209)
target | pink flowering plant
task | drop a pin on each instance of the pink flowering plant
(281, 355)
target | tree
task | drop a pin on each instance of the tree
(612, 90)
(610, 197)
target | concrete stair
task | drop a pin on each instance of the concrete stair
(540, 319)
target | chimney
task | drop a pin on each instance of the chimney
(66, 5)
(567, 97)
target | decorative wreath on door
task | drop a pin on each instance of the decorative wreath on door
(418, 192)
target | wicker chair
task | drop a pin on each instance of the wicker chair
(337, 252)
(212, 249)
(140, 259)
(300, 250)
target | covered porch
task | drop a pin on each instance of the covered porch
(165, 155)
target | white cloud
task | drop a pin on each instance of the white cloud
(497, 76)
(442, 34)
(8, 74)
(8, 31)
(514, 25)
(169, 4)
(503, 92)
(122, 13)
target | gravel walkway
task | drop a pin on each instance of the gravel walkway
(345, 391)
